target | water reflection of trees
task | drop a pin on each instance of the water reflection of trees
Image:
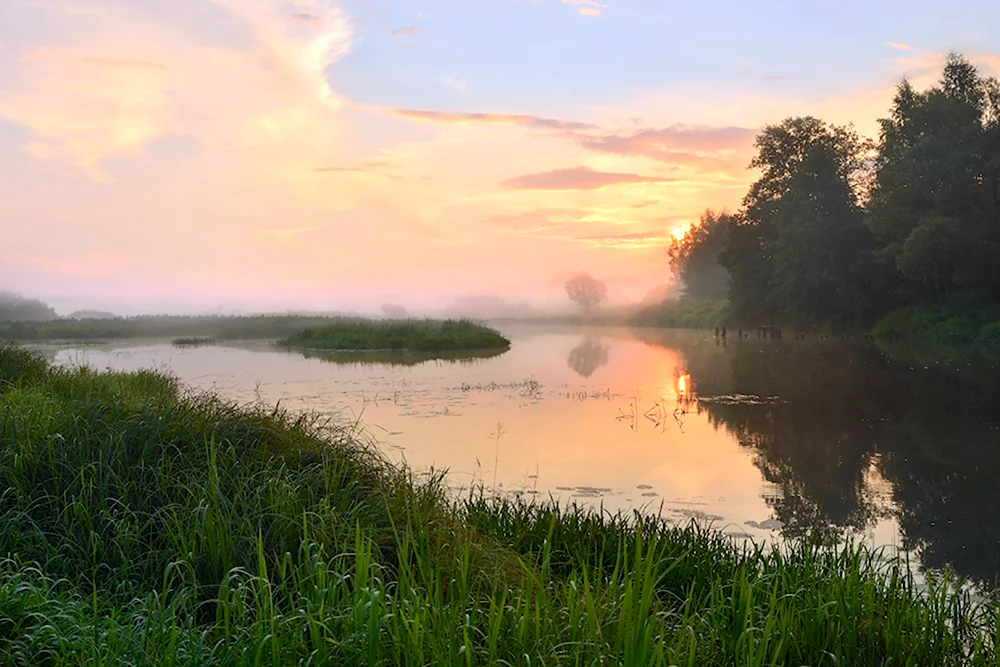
(932, 433)
(588, 356)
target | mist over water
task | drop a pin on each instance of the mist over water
(759, 438)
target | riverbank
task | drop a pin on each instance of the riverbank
(148, 525)
(958, 322)
(399, 335)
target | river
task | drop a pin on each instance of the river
(758, 438)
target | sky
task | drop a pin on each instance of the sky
(191, 155)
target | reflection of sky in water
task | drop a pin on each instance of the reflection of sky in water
(668, 423)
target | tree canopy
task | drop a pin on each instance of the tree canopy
(838, 229)
(586, 291)
(694, 258)
(16, 308)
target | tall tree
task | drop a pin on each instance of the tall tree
(799, 249)
(586, 291)
(935, 204)
(694, 258)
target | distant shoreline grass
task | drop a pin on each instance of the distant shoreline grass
(221, 327)
(146, 525)
(399, 336)
(192, 341)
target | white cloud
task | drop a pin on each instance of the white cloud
(124, 80)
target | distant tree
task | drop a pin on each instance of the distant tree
(935, 203)
(694, 259)
(800, 248)
(394, 311)
(16, 308)
(586, 291)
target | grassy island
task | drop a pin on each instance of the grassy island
(143, 524)
(400, 335)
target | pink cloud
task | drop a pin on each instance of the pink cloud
(408, 31)
(577, 178)
(653, 142)
(447, 118)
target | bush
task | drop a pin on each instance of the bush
(411, 335)
(989, 335)
(953, 331)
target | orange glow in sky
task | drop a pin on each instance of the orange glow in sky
(345, 153)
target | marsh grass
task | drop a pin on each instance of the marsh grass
(193, 341)
(145, 525)
(400, 335)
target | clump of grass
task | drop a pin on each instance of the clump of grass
(400, 335)
(143, 525)
(192, 341)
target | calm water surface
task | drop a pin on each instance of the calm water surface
(760, 438)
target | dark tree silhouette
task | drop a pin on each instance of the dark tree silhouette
(16, 308)
(694, 259)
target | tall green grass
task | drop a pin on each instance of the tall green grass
(411, 335)
(144, 525)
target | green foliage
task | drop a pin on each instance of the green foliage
(150, 527)
(797, 248)
(411, 335)
(959, 319)
(989, 335)
(837, 231)
(685, 314)
(18, 364)
(694, 259)
(934, 203)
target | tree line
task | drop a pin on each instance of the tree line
(839, 229)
